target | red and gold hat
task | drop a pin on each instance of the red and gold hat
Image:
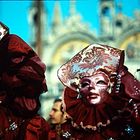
(91, 59)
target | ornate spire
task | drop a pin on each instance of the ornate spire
(72, 7)
(37, 20)
(57, 19)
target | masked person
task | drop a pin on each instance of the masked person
(101, 97)
(22, 80)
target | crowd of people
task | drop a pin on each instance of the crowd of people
(101, 98)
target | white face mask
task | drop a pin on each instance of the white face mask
(95, 88)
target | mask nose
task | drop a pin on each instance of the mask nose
(92, 85)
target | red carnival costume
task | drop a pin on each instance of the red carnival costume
(101, 97)
(22, 80)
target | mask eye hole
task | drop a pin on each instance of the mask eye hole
(101, 82)
(84, 84)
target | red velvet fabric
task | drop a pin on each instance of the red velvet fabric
(114, 114)
(22, 80)
(131, 86)
(35, 128)
(22, 76)
(89, 116)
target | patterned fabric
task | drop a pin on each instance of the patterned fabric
(88, 61)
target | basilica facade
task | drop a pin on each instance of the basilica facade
(64, 38)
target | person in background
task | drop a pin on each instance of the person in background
(101, 97)
(22, 80)
(56, 118)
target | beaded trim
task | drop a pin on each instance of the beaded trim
(118, 84)
(137, 89)
(134, 107)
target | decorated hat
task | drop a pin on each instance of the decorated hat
(91, 59)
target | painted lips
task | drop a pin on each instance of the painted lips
(93, 96)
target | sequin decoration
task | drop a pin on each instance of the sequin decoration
(66, 134)
(129, 131)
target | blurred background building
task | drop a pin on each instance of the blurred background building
(58, 42)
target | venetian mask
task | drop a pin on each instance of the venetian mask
(95, 88)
